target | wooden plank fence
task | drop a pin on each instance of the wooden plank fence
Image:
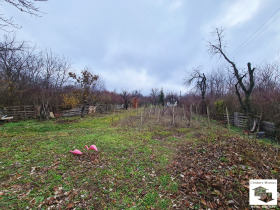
(241, 120)
(21, 112)
(237, 119)
(30, 111)
(99, 108)
(270, 129)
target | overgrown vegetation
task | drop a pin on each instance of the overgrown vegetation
(139, 164)
(159, 157)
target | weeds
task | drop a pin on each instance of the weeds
(138, 164)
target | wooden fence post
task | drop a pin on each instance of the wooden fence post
(184, 113)
(208, 114)
(190, 114)
(173, 115)
(236, 119)
(227, 118)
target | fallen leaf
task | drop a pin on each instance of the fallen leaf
(203, 202)
(70, 205)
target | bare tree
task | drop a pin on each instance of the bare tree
(54, 73)
(25, 6)
(100, 85)
(126, 98)
(172, 98)
(55, 69)
(154, 95)
(201, 84)
(268, 77)
(136, 93)
(265, 95)
(10, 44)
(219, 48)
(29, 77)
(12, 69)
(217, 83)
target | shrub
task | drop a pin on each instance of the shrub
(69, 101)
(219, 108)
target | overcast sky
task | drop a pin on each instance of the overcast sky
(151, 43)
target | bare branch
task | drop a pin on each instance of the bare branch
(219, 48)
(25, 6)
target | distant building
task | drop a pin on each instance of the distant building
(168, 103)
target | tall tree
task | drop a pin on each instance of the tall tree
(86, 81)
(201, 85)
(154, 95)
(217, 81)
(136, 93)
(172, 98)
(13, 59)
(241, 85)
(161, 97)
(126, 97)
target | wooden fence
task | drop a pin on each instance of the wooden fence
(28, 112)
(241, 120)
(21, 112)
(237, 119)
(270, 128)
(99, 108)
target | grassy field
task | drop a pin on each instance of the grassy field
(139, 165)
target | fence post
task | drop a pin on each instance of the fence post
(184, 113)
(236, 119)
(190, 114)
(173, 115)
(227, 118)
(208, 114)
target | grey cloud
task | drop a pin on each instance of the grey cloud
(157, 39)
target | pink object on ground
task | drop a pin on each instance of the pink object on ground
(92, 147)
(77, 152)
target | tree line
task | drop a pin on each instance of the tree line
(41, 77)
(253, 90)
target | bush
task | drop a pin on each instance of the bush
(69, 101)
(219, 109)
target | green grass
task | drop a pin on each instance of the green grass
(37, 165)
(130, 170)
(224, 159)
